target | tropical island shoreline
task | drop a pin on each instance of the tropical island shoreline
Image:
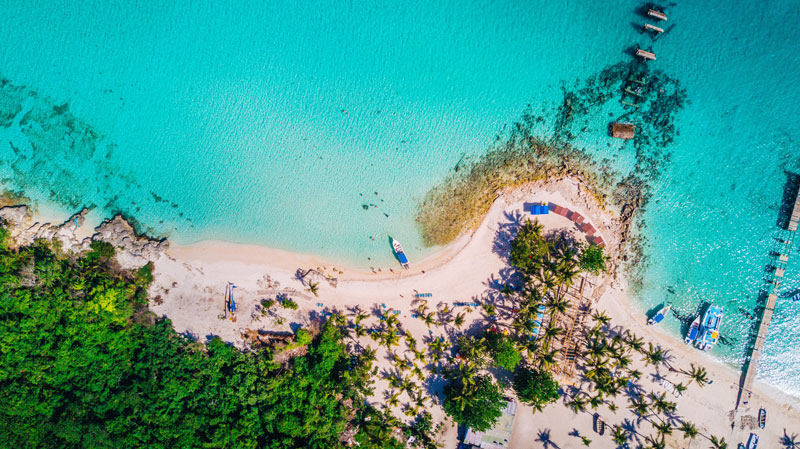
(190, 283)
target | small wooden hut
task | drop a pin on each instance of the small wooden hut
(623, 130)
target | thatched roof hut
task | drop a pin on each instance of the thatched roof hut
(623, 130)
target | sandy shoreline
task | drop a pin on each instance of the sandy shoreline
(190, 281)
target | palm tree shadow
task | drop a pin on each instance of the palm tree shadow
(789, 442)
(544, 438)
(506, 232)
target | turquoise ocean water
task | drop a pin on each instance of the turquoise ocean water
(274, 122)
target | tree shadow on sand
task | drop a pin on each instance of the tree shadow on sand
(544, 438)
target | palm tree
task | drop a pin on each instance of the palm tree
(577, 404)
(639, 406)
(394, 399)
(635, 343)
(661, 404)
(718, 443)
(620, 436)
(697, 374)
(656, 442)
(689, 430)
(429, 319)
(313, 287)
(586, 441)
(600, 319)
(635, 374)
(458, 321)
(596, 401)
(360, 316)
(422, 308)
(548, 359)
(653, 356)
(489, 309)
(557, 305)
(664, 428)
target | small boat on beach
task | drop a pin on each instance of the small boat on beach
(401, 256)
(752, 442)
(709, 328)
(762, 418)
(659, 316)
(694, 329)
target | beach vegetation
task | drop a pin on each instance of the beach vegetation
(535, 387)
(697, 374)
(503, 350)
(689, 430)
(313, 287)
(289, 303)
(593, 259)
(620, 436)
(84, 364)
(475, 401)
(718, 443)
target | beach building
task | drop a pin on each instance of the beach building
(498, 436)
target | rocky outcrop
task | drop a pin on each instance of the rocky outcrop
(133, 250)
(136, 250)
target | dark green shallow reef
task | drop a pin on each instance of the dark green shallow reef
(83, 364)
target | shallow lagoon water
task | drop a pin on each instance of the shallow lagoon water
(275, 123)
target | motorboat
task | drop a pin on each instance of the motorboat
(659, 316)
(694, 329)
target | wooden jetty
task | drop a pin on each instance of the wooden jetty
(749, 372)
(628, 103)
(623, 130)
(581, 296)
(630, 91)
(653, 28)
(657, 14)
(642, 81)
(644, 54)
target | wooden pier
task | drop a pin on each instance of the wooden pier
(653, 28)
(644, 54)
(749, 372)
(657, 14)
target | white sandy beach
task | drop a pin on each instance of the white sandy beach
(190, 282)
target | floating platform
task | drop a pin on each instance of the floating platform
(623, 130)
(642, 81)
(644, 54)
(628, 103)
(656, 13)
(653, 28)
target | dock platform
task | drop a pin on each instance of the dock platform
(780, 263)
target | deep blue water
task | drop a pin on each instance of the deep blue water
(274, 122)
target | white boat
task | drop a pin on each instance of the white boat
(694, 328)
(752, 443)
(709, 328)
(398, 251)
(659, 316)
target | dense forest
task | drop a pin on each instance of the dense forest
(83, 364)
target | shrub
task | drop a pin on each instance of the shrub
(534, 387)
(477, 406)
(593, 259)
